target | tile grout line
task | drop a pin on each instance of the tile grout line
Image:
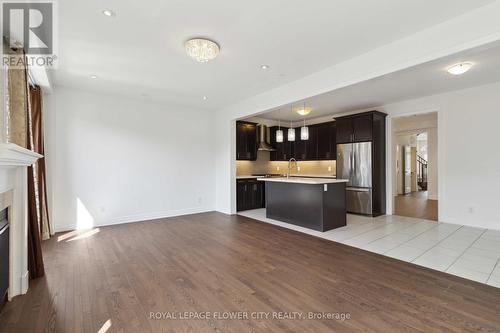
(494, 267)
(423, 232)
(413, 223)
(454, 232)
(461, 254)
(364, 232)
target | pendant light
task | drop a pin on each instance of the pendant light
(304, 130)
(291, 133)
(291, 130)
(279, 132)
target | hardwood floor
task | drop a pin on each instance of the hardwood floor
(214, 262)
(416, 205)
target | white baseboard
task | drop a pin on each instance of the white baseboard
(138, 218)
(25, 282)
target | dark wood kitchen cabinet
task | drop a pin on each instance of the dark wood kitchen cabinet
(355, 128)
(284, 150)
(300, 150)
(327, 142)
(249, 194)
(312, 143)
(246, 141)
(321, 144)
(368, 127)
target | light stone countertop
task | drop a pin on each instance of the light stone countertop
(298, 180)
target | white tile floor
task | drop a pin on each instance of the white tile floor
(471, 253)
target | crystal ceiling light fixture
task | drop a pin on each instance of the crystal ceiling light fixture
(279, 131)
(460, 68)
(201, 49)
(291, 131)
(304, 130)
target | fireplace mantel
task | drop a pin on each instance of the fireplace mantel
(14, 155)
(14, 161)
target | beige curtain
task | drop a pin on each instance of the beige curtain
(17, 103)
(24, 128)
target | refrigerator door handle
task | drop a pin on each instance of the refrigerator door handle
(357, 189)
(350, 166)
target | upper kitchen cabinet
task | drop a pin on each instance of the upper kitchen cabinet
(311, 144)
(284, 150)
(327, 143)
(356, 128)
(321, 144)
(246, 141)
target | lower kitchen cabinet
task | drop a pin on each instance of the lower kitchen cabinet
(249, 194)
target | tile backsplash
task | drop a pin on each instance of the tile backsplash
(262, 166)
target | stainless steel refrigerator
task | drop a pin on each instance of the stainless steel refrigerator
(354, 162)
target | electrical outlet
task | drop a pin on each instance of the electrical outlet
(472, 209)
(200, 200)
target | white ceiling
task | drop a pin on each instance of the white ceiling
(140, 51)
(427, 79)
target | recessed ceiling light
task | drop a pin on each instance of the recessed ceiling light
(108, 13)
(205, 98)
(201, 49)
(93, 77)
(264, 66)
(460, 68)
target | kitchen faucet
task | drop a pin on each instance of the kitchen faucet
(290, 166)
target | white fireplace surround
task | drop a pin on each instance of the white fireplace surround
(14, 161)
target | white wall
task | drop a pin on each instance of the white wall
(433, 163)
(112, 159)
(427, 122)
(468, 167)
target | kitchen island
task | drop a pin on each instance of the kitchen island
(314, 203)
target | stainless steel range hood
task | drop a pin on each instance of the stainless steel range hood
(264, 143)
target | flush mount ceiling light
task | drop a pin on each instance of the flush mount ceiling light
(460, 68)
(205, 98)
(264, 67)
(108, 13)
(304, 111)
(202, 50)
(93, 77)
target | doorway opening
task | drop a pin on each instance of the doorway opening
(416, 166)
